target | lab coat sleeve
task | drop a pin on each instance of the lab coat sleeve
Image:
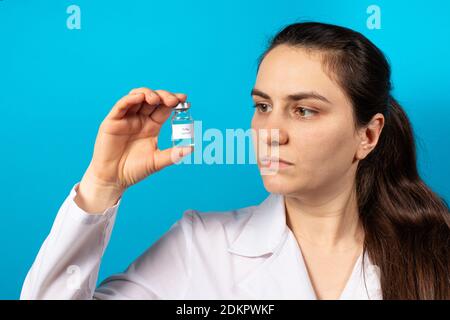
(163, 271)
(68, 262)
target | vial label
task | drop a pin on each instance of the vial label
(182, 131)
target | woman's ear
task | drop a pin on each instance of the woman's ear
(369, 136)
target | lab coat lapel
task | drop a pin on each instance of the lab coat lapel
(364, 283)
(283, 274)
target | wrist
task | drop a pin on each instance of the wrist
(95, 196)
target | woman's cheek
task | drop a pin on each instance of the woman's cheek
(309, 143)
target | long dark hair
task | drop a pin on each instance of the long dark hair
(406, 224)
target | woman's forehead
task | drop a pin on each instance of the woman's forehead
(286, 70)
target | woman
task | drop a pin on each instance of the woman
(348, 216)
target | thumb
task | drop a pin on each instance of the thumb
(171, 155)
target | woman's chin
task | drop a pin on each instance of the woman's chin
(277, 184)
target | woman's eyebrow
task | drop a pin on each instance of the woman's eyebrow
(294, 96)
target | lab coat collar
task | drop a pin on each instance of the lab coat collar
(283, 275)
(264, 229)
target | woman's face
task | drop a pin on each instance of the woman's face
(294, 94)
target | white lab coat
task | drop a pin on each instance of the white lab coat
(248, 253)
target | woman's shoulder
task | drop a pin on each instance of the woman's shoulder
(212, 221)
(229, 224)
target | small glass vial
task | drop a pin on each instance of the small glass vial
(182, 126)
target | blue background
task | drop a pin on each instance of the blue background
(56, 86)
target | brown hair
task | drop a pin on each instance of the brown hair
(406, 224)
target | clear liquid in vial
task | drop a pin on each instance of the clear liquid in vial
(182, 126)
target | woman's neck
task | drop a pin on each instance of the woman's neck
(330, 223)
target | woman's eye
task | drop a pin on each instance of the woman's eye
(262, 107)
(301, 110)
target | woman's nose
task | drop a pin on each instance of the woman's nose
(275, 133)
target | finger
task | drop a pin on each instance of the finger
(163, 111)
(146, 109)
(124, 104)
(181, 96)
(151, 99)
(150, 95)
(134, 109)
(167, 98)
(170, 156)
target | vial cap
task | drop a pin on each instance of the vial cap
(183, 105)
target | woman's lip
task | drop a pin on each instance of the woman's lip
(275, 162)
